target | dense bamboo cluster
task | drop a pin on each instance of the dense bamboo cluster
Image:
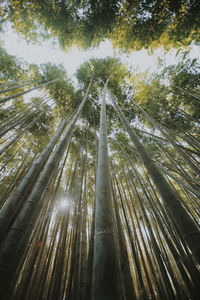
(77, 225)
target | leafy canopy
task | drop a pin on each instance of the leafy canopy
(131, 25)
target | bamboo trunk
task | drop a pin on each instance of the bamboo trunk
(24, 222)
(105, 283)
(186, 225)
(25, 92)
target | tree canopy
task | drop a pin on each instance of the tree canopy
(131, 25)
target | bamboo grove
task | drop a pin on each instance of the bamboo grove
(123, 224)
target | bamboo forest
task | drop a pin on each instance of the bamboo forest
(99, 171)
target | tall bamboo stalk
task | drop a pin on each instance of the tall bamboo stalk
(25, 220)
(25, 92)
(18, 87)
(105, 282)
(185, 156)
(186, 225)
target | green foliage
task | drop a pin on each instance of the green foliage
(13, 69)
(153, 98)
(62, 90)
(165, 94)
(184, 78)
(101, 70)
(52, 71)
(131, 25)
(150, 24)
(63, 94)
(23, 15)
(44, 122)
(10, 68)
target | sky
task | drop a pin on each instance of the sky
(49, 51)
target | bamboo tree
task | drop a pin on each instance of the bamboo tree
(172, 141)
(15, 82)
(125, 263)
(177, 168)
(18, 118)
(105, 282)
(183, 220)
(25, 92)
(164, 140)
(158, 227)
(12, 205)
(83, 271)
(2, 150)
(27, 216)
(185, 92)
(191, 189)
(18, 87)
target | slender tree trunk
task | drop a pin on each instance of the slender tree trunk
(21, 120)
(125, 263)
(25, 220)
(19, 86)
(178, 180)
(16, 115)
(84, 251)
(185, 92)
(12, 205)
(164, 140)
(186, 225)
(105, 283)
(14, 82)
(25, 92)
(171, 140)
(17, 137)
